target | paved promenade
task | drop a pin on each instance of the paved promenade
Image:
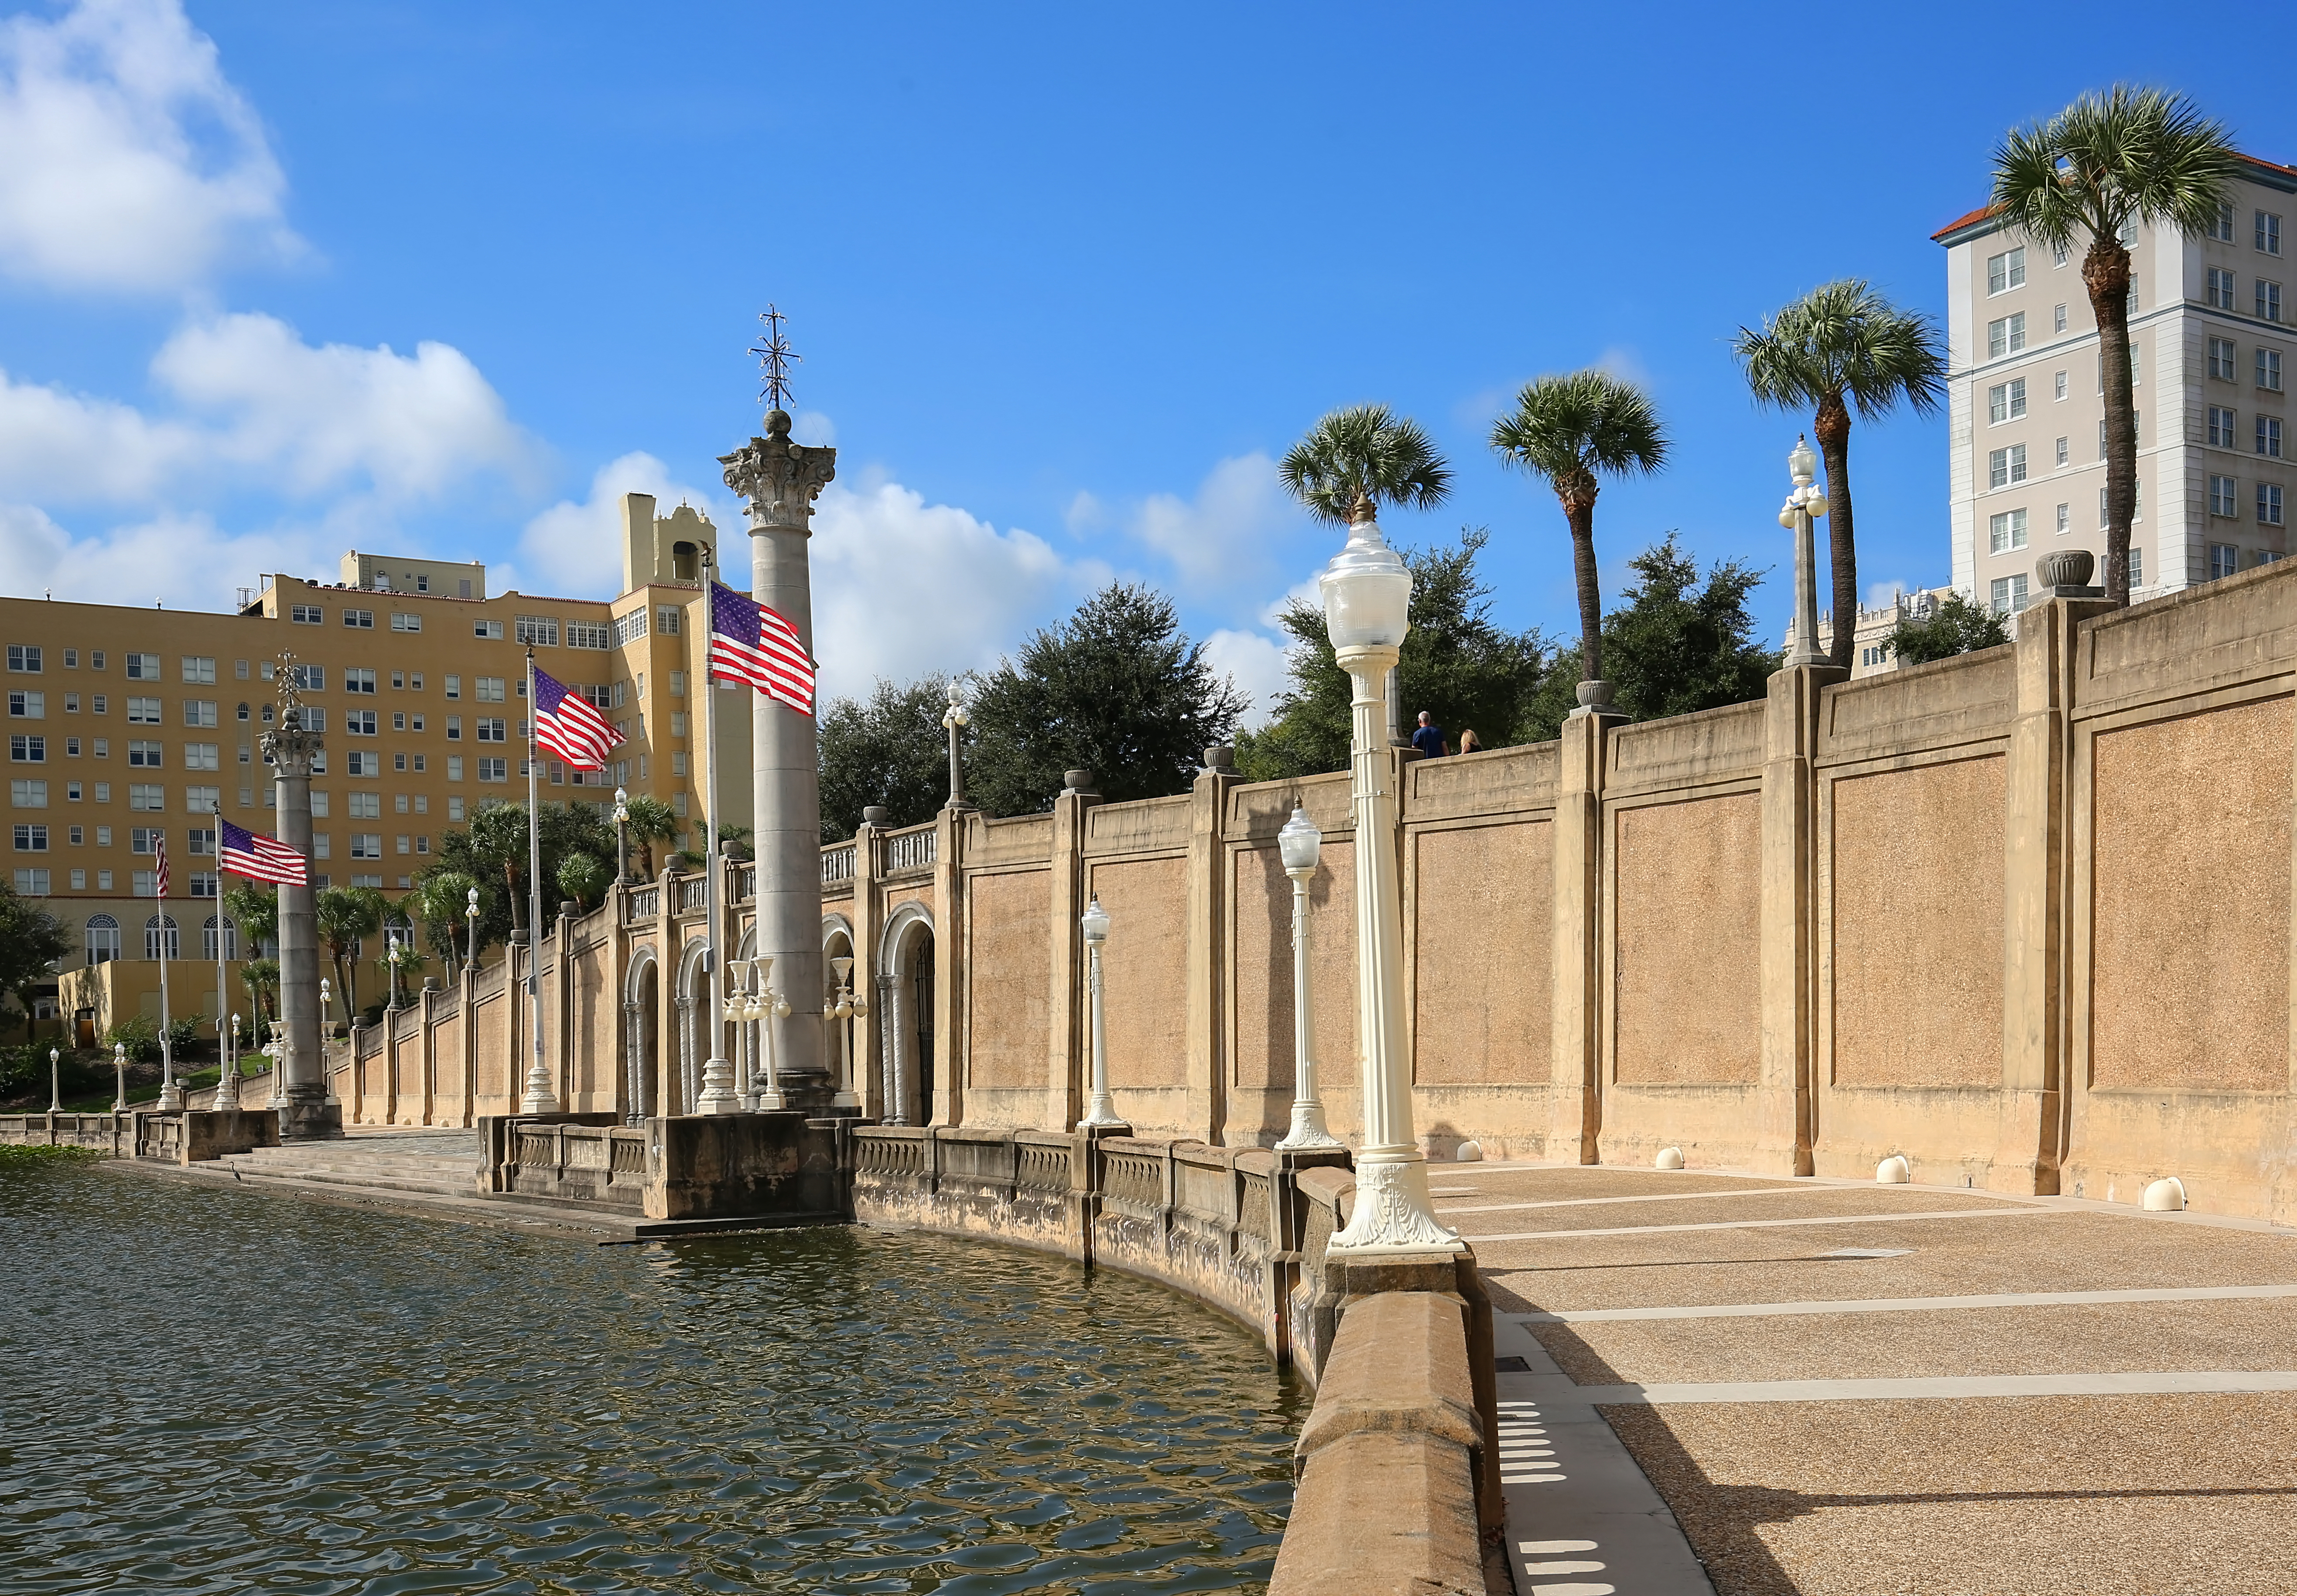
(1853, 1390)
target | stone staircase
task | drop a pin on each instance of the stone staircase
(427, 1163)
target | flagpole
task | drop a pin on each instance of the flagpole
(718, 1094)
(171, 1095)
(539, 1098)
(226, 1095)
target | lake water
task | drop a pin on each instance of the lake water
(214, 1390)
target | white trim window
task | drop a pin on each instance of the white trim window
(2219, 291)
(2007, 270)
(2006, 533)
(2006, 401)
(2065, 519)
(2269, 504)
(2063, 453)
(2269, 370)
(2062, 385)
(2009, 594)
(2222, 230)
(2136, 566)
(2268, 300)
(2225, 559)
(2221, 432)
(2225, 498)
(2007, 335)
(2224, 360)
(2268, 437)
(2058, 319)
(2268, 233)
(2005, 466)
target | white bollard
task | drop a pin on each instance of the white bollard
(1468, 1152)
(2166, 1196)
(1893, 1171)
(1669, 1158)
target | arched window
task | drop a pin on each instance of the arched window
(103, 939)
(242, 709)
(157, 928)
(267, 714)
(208, 940)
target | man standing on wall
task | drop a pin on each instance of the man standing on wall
(1430, 738)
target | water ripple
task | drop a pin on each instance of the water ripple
(219, 1391)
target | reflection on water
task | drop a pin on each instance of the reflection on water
(214, 1390)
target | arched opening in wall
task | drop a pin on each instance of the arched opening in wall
(693, 1035)
(685, 562)
(905, 1009)
(642, 1032)
(839, 1034)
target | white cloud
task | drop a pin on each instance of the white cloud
(132, 164)
(1624, 364)
(1223, 534)
(900, 586)
(185, 559)
(1256, 662)
(262, 409)
(1879, 595)
(575, 550)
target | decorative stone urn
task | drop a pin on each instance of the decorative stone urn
(877, 814)
(1595, 695)
(1221, 757)
(2065, 573)
(1076, 781)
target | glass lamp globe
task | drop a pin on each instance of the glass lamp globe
(1802, 464)
(1367, 591)
(1095, 922)
(1300, 842)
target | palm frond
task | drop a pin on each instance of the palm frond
(2128, 154)
(1573, 428)
(1365, 453)
(1843, 339)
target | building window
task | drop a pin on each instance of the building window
(2224, 500)
(589, 634)
(2061, 451)
(2225, 559)
(2009, 594)
(2268, 233)
(367, 844)
(2269, 302)
(494, 770)
(541, 630)
(2006, 401)
(2221, 430)
(665, 620)
(2061, 385)
(145, 711)
(31, 839)
(2269, 504)
(199, 711)
(2003, 466)
(2222, 229)
(359, 723)
(2136, 566)
(2003, 337)
(487, 629)
(486, 689)
(203, 756)
(358, 680)
(2269, 370)
(489, 730)
(2006, 271)
(24, 658)
(142, 667)
(26, 750)
(2219, 289)
(362, 619)
(631, 627)
(2058, 318)
(2221, 359)
(308, 614)
(2268, 437)
(363, 764)
(401, 622)
(32, 884)
(2063, 519)
(27, 706)
(101, 938)
(26, 794)
(2004, 532)
(146, 797)
(145, 755)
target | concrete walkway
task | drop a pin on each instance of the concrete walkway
(1703, 1388)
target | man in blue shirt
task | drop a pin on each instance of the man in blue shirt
(1430, 738)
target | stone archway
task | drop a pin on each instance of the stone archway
(642, 1036)
(693, 1006)
(905, 1008)
(837, 942)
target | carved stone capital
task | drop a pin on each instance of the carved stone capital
(780, 479)
(290, 747)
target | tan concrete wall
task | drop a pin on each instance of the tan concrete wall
(1688, 899)
(1144, 976)
(1008, 974)
(1260, 981)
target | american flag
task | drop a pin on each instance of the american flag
(750, 642)
(255, 856)
(569, 725)
(159, 851)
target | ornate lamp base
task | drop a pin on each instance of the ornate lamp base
(1308, 1129)
(1393, 1212)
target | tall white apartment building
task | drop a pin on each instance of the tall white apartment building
(2213, 349)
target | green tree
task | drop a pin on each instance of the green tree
(1956, 626)
(890, 748)
(1457, 664)
(261, 978)
(650, 821)
(2089, 176)
(253, 907)
(492, 854)
(1118, 688)
(1356, 460)
(439, 900)
(1673, 647)
(1573, 431)
(31, 942)
(345, 915)
(1841, 346)
(585, 878)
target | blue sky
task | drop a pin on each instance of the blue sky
(279, 280)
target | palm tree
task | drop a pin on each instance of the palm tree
(1356, 460)
(2101, 166)
(1842, 345)
(585, 877)
(1572, 430)
(499, 838)
(438, 900)
(254, 908)
(651, 821)
(261, 978)
(345, 915)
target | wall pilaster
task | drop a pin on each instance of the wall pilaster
(1784, 1127)
(868, 1081)
(950, 957)
(1575, 1102)
(1208, 949)
(1067, 1058)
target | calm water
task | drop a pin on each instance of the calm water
(223, 1391)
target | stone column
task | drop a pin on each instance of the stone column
(634, 1104)
(1068, 1054)
(1207, 945)
(947, 1105)
(780, 479)
(1785, 1128)
(1574, 1113)
(308, 1114)
(688, 1087)
(889, 1038)
(868, 932)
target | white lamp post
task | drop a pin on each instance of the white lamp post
(1102, 1109)
(847, 1007)
(55, 1080)
(470, 917)
(737, 1013)
(1367, 593)
(622, 835)
(764, 1005)
(1301, 845)
(227, 1092)
(119, 1077)
(1803, 506)
(390, 956)
(955, 718)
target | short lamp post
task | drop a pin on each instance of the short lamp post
(955, 719)
(1367, 592)
(1101, 1110)
(471, 919)
(622, 835)
(763, 1004)
(119, 1077)
(227, 1092)
(1803, 506)
(1301, 845)
(326, 1026)
(392, 956)
(55, 1080)
(848, 1007)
